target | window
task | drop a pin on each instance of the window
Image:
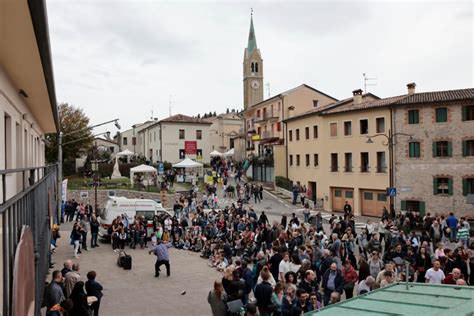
(369, 196)
(381, 166)
(258, 113)
(468, 148)
(315, 103)
(413, 117)
(149, 138)
(414, 150)
(468, 186)
(348, 162)
(348, 128)
(154, 136)
(333, 129)
(337, 193)
(315, 160)
(307, 160)
(112, 149)
(468, 113)
(182, 154)
(181, 134)
(349, 194)
(364, 162)
(290, 135)
(8, 141)
(382, 197)
(380, 124)
(442, 186)
(198, 134)
(297, 134)
(441, 115)
(297, 160)
(306, 132)
(334, 165)
(124, 141)
(315, 131)
(291, 160)
(278, 126)
(442, 149)
(364, 126)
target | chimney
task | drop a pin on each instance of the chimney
(357, 96)
(411, 88)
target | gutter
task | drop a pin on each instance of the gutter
(39, 19)
(285, 132)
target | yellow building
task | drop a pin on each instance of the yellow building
(329, 154)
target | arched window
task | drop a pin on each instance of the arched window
(252, 66)
(256, 67)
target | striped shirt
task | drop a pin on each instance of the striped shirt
(463, 233)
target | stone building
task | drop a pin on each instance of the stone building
(434, 171)
(226, 132)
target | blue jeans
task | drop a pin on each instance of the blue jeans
(306, 217)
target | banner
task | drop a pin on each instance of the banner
(64, 190)
(190, 147)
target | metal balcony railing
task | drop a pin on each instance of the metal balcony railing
(33, 206)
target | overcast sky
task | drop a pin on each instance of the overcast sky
(123, 59)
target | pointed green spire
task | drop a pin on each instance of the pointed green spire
(252, 43)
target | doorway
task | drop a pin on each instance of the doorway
(312, 191)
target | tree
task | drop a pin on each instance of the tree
(71, 119)
(215, 114)
(227, 111)
(199, 116)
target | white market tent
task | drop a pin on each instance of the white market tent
(215, 153)
(187, 163)
(141, 169)
(126, 152)
(229, 153)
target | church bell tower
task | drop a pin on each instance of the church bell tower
(253, 70)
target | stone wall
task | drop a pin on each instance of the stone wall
(414, 176)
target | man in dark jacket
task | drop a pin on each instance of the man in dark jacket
(275, 262)
(54, 293)
(333, 281)
(263, 295)
(326, 262)
(247, 276)
(236, 287)
(93, 288)
(94, 231)
(309, 283)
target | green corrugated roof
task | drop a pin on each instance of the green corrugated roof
(252, 43)
(420, 299)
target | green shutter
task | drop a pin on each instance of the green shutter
(417, 150)
(410, 149)
(435, 148)
(450, 149)
(417, 116)
(464, 113)
(422, 208)
(450, 186)
(435, 186)
(464, 148)
(464, 187)
(403, 205)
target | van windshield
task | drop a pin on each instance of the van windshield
(147, 214)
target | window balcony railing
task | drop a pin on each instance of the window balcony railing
(381, 169)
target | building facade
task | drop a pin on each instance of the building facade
(227, 132)
(328, 153)
(132, 140)
(28, 108)
(434, 171)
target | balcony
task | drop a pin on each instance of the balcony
(267, 117)
(267, 135)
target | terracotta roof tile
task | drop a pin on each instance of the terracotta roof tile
(180, 118)
(438, 96)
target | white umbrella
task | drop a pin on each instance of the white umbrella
(142, 169)
(215, 153)
(230, 152)
(187, 163)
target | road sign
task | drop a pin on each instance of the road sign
(391, 191)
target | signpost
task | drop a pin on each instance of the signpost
(161, 168)
(392, 192)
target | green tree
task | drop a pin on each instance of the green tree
(71, 119)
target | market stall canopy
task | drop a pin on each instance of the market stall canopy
(230, 152)
(215, 153)
(142, 169)
(187, 163)
(126, 152)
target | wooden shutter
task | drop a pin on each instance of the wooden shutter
(464, 112)
(464, 148)
(422, 208)
(435, 149)
(403, 205)
(464, 186)
(450, 186)
(450, 149)
(435, 186)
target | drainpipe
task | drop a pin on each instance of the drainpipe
(285, 133)
(391, 157)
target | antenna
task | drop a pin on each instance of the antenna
(268, 88)
(152, 113)
(367, 82)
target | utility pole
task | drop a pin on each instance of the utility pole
(367, 82)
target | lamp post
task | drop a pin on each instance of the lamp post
(390, 144)
(60, 158)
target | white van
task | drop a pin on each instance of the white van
(118, 205)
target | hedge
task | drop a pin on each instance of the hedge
(284, 183)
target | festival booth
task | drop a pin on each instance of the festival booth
(229, 153)
(216, 153)
(146, 170)
(194, 167)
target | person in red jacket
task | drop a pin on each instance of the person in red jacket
(453, 277)
(350, 278)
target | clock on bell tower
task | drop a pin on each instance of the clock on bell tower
(253, 70)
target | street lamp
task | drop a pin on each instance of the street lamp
(60, 158)
(389, 143)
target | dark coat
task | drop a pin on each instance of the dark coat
(93, 288)
(338, 281)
